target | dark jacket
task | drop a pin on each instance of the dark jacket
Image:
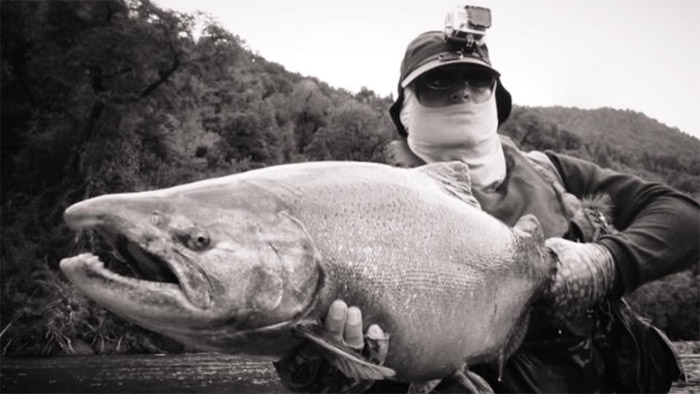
(659, 227)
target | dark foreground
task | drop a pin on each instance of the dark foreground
(182, 373)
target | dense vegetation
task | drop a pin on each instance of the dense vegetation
(119, 95)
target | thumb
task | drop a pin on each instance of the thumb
(376, 344)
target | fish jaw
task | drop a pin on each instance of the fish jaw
(253, 277)
(163, 308)
(139, 300)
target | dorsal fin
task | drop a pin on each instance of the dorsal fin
(454, 178)
(529, 227)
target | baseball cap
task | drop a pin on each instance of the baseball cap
(430, 50)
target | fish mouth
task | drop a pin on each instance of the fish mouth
(142, 264)
(150, 267)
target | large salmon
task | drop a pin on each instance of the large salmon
(236, 264)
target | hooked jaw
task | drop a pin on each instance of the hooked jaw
(160, 274)
(137, 299)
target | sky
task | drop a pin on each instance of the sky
(642, 55)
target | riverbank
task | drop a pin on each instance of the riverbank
(188, 373)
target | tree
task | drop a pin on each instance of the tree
(84, 85)
(355, 132)
(309, 107)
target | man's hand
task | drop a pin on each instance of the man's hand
(304, 369)
(585, 274)
(344, 324)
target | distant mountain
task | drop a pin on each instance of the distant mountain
(632, 130)
(619, 139)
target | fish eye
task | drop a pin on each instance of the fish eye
(198, 241)
(193, 238)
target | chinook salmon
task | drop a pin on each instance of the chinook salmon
(239, 264)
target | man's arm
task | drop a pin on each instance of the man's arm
(659, 226)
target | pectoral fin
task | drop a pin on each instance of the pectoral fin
(474, 383)
(344, 358)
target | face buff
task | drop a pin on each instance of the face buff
(463, 132)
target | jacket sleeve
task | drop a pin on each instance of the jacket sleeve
(659, 227)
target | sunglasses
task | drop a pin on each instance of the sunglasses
(444, 78)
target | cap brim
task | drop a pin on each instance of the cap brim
(435, 63)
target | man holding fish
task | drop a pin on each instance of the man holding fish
(450, 104)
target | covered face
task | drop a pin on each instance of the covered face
(434, 68)
(450, 106)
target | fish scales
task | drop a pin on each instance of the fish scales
(448, 282)
(433, 271)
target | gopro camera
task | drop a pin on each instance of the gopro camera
(467, 25)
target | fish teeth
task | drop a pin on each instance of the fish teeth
(90, 260)
(87, 260)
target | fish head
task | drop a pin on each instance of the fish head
(210, 270)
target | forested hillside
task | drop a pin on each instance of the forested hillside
(620, 139)
(115, 95)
